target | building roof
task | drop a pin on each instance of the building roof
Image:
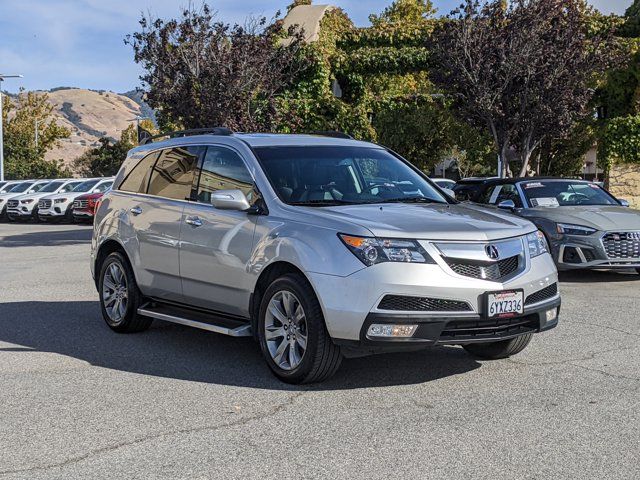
(308, 18)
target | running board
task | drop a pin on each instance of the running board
(203, 321)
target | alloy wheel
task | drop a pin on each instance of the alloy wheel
(285, 330)
(115, 294)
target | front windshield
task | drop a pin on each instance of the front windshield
(86, 186)
(559, 193)
(51, 187)
(339, 175)
(21, 187)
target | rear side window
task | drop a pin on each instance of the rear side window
(174, 172)
(223, 169)
(138, 178)
(103, 187)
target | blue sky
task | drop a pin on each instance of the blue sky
(79, 43)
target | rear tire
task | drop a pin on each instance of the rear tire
(638, 270)
(498, 350)
(120, 297)
(68, 216)
(298, 321)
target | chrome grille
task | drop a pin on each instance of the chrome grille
(422, 304)
(542, 295)
(44, 204)
(13, 204)
(485, 271)
(81, 204)
(622, 244)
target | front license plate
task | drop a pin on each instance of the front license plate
(507, 303)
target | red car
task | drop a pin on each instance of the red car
(84, 207)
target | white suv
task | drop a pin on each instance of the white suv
(27, 204)
(59, 206)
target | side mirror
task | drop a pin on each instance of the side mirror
(507, 205)
(624, 203)
(230, 200)
(31, 191)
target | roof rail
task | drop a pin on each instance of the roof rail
(333, 134)
(223, 131)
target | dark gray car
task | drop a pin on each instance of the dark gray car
(585, 225)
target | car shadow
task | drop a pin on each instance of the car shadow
(44, 238)
(76, 329)
(597, 276)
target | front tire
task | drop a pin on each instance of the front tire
(293, 335)
(498, 350)
(120, 297)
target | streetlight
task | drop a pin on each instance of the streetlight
(2, 78)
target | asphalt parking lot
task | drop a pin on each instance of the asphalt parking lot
(78, 401)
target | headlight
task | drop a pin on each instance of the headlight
(27, 201)
(378, 250)
(537, 244)
(569, 229)
(60, 200)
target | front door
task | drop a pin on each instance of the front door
(216, 245)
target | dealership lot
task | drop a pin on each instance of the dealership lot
(79, 401)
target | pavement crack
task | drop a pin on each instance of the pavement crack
(606, 327)
(212, 428)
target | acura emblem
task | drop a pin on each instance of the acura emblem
(492, 252)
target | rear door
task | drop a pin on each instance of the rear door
(216, 245)
(163, 182)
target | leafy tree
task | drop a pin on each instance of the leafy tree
(621, 140)
(105, 160)
(523, 70)
(23, 159)
(201, 72)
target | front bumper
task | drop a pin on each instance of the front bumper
(575, 252)
(351, 303)
(56, 211)
(83, 215)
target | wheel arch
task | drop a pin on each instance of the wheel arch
(107, 248)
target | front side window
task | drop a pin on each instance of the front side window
(334, 175)
(173, 174)
(502, 193)
(560, 193)
(223, 169)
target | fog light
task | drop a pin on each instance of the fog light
(552, 314)
(397, 331)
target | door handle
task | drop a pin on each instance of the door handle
(136, 211)
(194, 221)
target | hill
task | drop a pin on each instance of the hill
(90, 115)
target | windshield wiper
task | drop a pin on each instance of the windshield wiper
(408, 200)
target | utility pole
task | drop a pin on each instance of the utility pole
(2, 78)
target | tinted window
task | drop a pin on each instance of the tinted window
(138, 178)
(223, 169)
(173, 174)
(317, 175)
(501, 193)
(565, 193)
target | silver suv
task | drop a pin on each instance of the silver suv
(319, 247)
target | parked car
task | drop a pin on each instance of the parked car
(585, 225)
(312, 245)
(84, 207)
(444, 183)
(8, 200)
(25, 207)
(58, 207)
(470, 189)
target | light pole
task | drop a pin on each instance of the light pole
(37, 122)
(2, 78)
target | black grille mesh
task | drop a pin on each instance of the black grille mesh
(492, 271)
(12, 204)
(541, 295)
(622, 245)
(422, 304)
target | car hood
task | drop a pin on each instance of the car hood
(36, 196)
(600, 217)
(430, 221)
(68, 195)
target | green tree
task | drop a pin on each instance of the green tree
(105, 160)
(23, 159)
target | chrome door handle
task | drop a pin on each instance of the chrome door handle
(194, 221)
(136, 211)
